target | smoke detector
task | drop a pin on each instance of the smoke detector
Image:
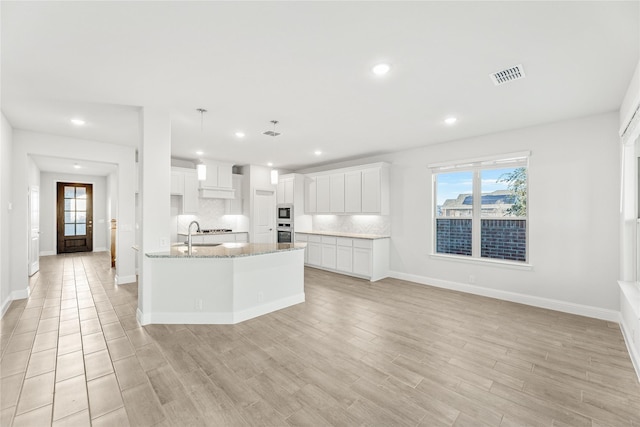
(273, 132)
(507, 75)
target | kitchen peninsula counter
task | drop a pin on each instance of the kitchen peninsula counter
(223, 284)
(347, 235)
(226, 250)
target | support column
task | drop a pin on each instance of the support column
(155, 190)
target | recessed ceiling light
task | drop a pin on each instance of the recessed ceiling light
(240, 134)
(317, 152)
(76, 166)
(450, 120)
(199, 153)
(381, 69)
(269, 164)
(78, 122)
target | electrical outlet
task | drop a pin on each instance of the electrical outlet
(260, 296)
(163, 243)
(472, 279)
(199, 304)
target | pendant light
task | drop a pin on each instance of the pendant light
(201, 167)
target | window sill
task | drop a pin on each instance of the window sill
(484, 261)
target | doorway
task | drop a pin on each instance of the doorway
(74, 205)
(264, 216)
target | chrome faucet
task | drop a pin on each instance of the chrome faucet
(189, 240)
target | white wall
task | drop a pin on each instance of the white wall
(6, 142)
(48, 183)
(28, 143)
(574, 189)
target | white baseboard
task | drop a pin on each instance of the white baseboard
(100, 249)
(47, 253)
(122, 280)
(21, 294)
(551, 304)
(217, 318)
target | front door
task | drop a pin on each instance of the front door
(75, 217)
(264, 214)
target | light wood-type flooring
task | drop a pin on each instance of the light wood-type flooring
(391, 353)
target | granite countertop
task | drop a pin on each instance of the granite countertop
(212, 234)
(226, 250)
(341, 234)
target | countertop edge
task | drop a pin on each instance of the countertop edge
(346, 235)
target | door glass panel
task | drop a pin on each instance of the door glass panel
(81, 217)
(69, 229)
(69, 204)
(81, 229)
(81, 205)
(81, 193)
(69, 192)
(69, 217)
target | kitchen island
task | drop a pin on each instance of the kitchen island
(225, 284)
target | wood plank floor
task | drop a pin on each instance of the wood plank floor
(390, 353)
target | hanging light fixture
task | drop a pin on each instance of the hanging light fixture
(274, 176)
(201, 167)
(273, 134)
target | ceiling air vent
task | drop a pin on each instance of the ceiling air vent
(503, 76)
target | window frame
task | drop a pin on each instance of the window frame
(477, 166)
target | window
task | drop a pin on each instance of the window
(481, 209)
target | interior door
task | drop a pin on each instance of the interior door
(34, 227)
(75, 217)
(264, 216)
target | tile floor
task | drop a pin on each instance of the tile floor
(356, 353)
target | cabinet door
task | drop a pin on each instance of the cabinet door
(353, 192)
(337, 193)
(177, 183)
(234, 206)
(329, 256)
(371, 193)
(242, 237)
(344, 259)
(224, 176)
(280, 192)
(314, 253)
(212, 176)
(310, 196)
(323, 194)
(362, 261)
(288, 191)
(190, 198)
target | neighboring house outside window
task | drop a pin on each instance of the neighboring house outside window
(480, 209)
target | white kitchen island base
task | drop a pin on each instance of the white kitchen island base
(223, 289)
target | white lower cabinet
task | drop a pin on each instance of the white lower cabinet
(344, 255)
(314, 250)
(328, 252)
(367, 258)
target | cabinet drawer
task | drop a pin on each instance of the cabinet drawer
(341, 241)
(362, 243)
(315, 239)
(328, 240)
(301, 237)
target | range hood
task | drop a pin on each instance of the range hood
(217, 193)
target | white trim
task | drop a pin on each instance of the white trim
(517, 157)
(20, 294)
(628, 341)
(218, 318)
(630, 314)
(123, 280)
(47, 253)
(100, 249)
(5, 306)
(551, 304)
(483, 261)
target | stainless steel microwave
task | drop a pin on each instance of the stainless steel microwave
(285, 212)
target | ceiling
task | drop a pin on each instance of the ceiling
(75, 167)
(308, 65)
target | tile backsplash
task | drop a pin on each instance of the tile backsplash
(360, 224)
(211, 214)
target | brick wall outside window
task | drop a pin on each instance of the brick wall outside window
(504, 239)
(453, 236)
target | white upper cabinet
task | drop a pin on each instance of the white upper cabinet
(235, 206)
(310, 199)
(323, 194)
(184, 182)
(354, 190)
(285, 190)
(219, 183)
(336, 204)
